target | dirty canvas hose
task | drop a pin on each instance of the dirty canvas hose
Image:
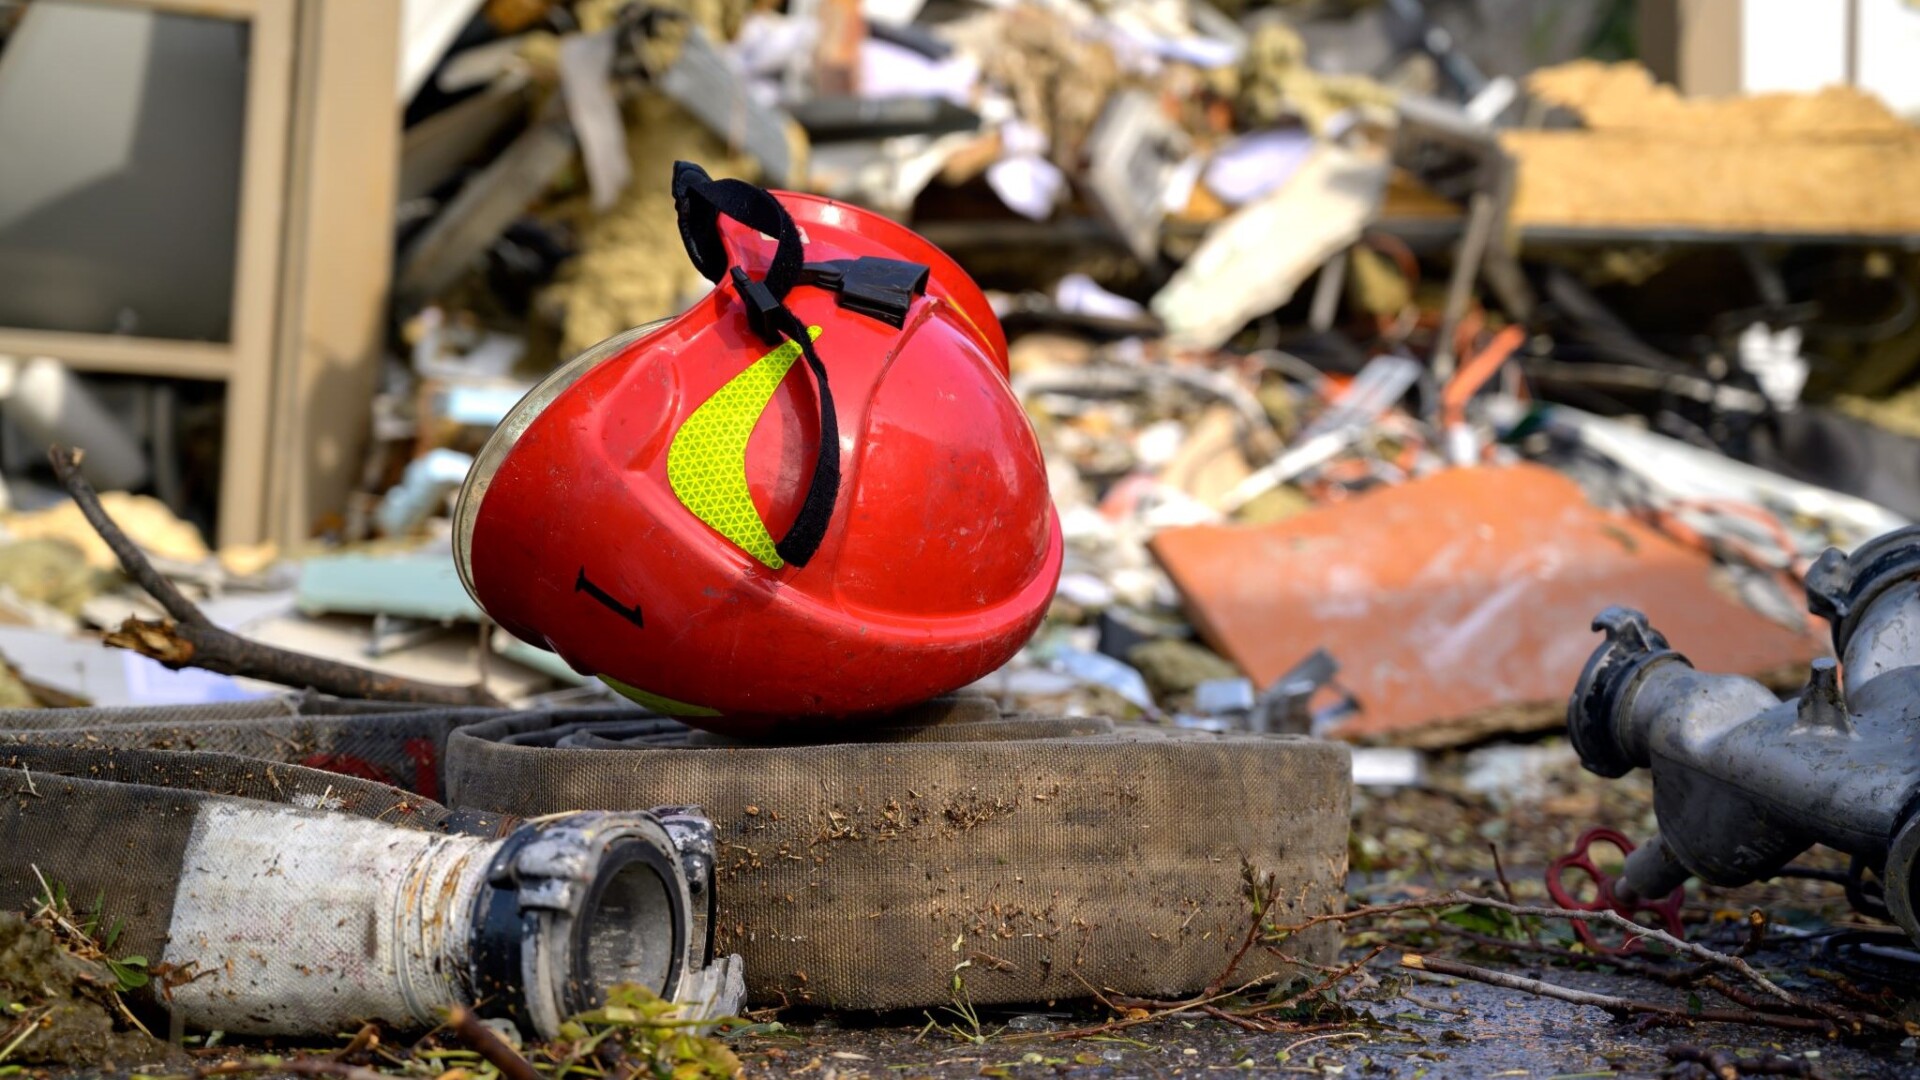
(1025, 857)
(272, 898)
(1021, 855)
(1744, 782)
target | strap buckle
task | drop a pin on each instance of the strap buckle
(761, 305)
(878, 288)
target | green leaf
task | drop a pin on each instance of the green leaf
(1491, 922)
(131, 972)
(770, 1029)
(1695, 1005)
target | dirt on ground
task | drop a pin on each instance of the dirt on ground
(53, 1006)
(1430, 1029)
(1530, 803)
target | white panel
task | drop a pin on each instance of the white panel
(427, 30)
(101, 97)
(1793, 44)
(120, 144)
(1888, 52)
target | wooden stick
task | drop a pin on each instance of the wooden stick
(307, 1066)
(1260, 889)
(1322, 986)
(1617, 1005)
(1847, 1018)
(1506, 888)
(1201, 1003)
(1671, 976)
(1241, 1022)
(1726, 1066)
(190, 639)
(481, 1039)
(1620, 922)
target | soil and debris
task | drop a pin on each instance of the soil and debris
(54, 1005)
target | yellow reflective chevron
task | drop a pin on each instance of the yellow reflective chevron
(656, 702)
(707, 463)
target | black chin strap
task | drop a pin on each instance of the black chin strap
(700, 200)
(878, 288)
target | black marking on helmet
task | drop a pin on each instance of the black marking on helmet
(631, 614)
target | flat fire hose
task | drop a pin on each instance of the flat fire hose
(1028, 858)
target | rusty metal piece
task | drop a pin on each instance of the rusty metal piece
(1457, 603)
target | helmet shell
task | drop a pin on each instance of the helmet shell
(939, 559)
(947, 281)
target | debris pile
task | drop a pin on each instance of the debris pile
(1245, 288)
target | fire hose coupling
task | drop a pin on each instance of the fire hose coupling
(1599, 701)
(1743, 782)
(580, 902)
(1848, 591)
(298, 921)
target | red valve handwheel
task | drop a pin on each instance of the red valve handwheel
(1667, 910)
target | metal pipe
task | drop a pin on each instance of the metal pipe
(1651, 872)
(1744, 782)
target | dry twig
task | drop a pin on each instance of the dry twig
(367, 1038)
(1671, 976)
(1725, 1066)
(1847, 1019)
(303, 1066)
(1506, 887)
(1244, 1023)
(21, 1030)
(1206, 1002)
(1292, 1046)
(79, 943)
(1618, 1006)
(1620, 922)
(1260, 890)
(189, 639)
(481, 1039)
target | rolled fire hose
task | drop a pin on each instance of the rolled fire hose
(1019, 858)
(280, 899)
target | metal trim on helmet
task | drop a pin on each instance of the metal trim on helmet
(507, 433)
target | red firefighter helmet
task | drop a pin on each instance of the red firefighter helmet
(812, 494)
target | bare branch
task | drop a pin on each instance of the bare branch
(481, 1039)
(1619, 1006)
(190, 639)
(1620, 922)
(300, 1066)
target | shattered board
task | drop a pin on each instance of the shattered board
(1458, 604)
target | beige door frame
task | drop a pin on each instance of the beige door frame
(312, 260)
